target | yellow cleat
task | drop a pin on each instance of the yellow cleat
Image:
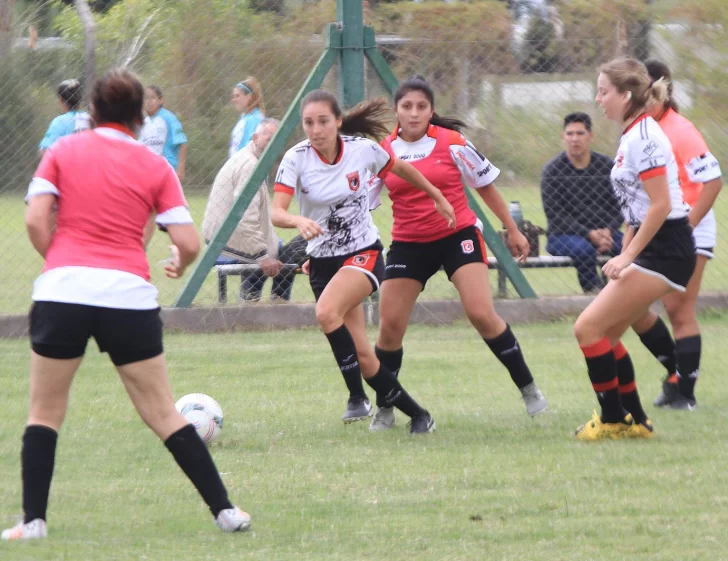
(596, 429)
(640, 430)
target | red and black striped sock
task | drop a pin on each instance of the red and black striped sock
(602, 368)
(627, 385)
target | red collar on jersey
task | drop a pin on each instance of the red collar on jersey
(637, 120)
(667, 112)
(431, 132)
(117, 127)
(337, 158)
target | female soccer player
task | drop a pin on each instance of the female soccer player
(658, 252)
(247, 99)
(422, 244)
(327, 173)
(95, 283)
(162, 132)
(700, 181)
(72, 119)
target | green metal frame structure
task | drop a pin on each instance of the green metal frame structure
(347, 42)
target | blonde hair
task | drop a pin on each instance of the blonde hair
(251, 83)
(630, 75)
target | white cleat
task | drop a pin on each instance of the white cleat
(383, 419)
(534, 399)
(33, 530)
(233, 520)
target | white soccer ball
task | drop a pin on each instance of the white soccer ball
(209, 423)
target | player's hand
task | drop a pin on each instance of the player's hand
(446, 210)
(270, 266)
(309, 228)
(172, 267)
(519, 246)
(306, 267)
(614, 267)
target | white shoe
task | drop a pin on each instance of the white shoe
(534, 399)
(33, 530)
(383, 419)
(233, 520)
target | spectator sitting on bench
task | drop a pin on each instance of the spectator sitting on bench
(254, 239)
(583, 213)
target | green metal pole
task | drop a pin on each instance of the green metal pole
(267, 159)
(351, 62)
(491, 237)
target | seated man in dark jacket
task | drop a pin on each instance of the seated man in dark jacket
(583, 213)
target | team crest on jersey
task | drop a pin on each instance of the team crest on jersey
(620, 160)
(467, 246)
(360, 260)
(353, 179)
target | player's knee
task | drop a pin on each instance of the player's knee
(681, 314)
(586, 331)
(485, 319)
(391, 332)
(328, 317)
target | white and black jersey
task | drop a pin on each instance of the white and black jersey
(645, 152)
(335, 194)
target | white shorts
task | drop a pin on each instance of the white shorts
(705, 235)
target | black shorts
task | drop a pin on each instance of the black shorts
(368, 260)
(419, 261)
(59, 330)
(670, 254)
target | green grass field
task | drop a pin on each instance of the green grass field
(20, 264)
(491, 483)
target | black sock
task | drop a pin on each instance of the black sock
(345, 354)
(627, 385)
(37, 458)
(602, 368)
(688, 364)
(390, 393)
(506, 348)
(194, 458)
(659, 342)
(393, 362)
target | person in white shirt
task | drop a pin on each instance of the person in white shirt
(658, 251)
(328, 174)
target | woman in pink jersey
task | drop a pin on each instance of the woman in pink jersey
(658, 252)
(700, 181)
(328, 174)
(95, 283)
(421, 245)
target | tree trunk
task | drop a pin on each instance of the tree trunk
(7, 7)
(89, 31)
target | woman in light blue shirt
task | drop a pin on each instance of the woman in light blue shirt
(72, 119)
(247, 99)
(162, 132)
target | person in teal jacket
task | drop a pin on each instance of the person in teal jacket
(72, 119)
(247, 99)
(162, 131)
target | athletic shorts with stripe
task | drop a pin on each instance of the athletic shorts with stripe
(59, 330)
(368, 260)
(419, 261)
(670, 254)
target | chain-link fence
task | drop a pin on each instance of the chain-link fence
(511, 70)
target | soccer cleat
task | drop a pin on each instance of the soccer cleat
(422, 424)
(596, 429)
(534, 399)
(669, 393)
(33, 530)
(383, 419)
(233, 520)
(640, 430)
(682, 403)
(357, 409)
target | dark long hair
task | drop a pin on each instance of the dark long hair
(365, 119)
(118, 97)
(70, 93)
(419, 84)
(658, 69)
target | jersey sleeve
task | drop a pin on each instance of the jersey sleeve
(382, 160)
(375, 184)
(177, 133)
(287, 176)
(476, 169)
(45, 178)
(54, 132)
(649, 157)
(170, 204)
(700, 165)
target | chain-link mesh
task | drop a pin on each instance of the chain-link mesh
(511, 70)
